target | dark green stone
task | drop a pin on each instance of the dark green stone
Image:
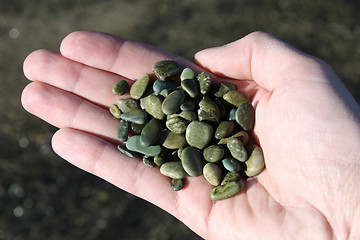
(204, 80)
(190, 87)
(224, 129)
(192, 161)
(187, 106)
(225, 191)
(126, 105)
(136, 116)
(136, 128)
(152, 104)
(208, 110)
(177, 184)
(241, 135)
(187, 73)
(150, 133)
(120, 87)
(232, 114)
(123, 130)
(231, 177)
(164, 87)
(172, 102)
(245, 116)
(160, 159)
(231, 164)
(148, 162)
(166, 69)
(235, 98)
(218, 89)
(213, 153)
(133, 144)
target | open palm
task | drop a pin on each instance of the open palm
(306, 122)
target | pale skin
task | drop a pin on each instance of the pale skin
(307, 123)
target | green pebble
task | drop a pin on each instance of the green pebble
(176, 125)
(164, 87)
(245, 116)
(160, 159)
(150, 133)
(242, 136)
(115, 111)
(187, 106)
(204, 80)
(152, 104)
(255, 164)
(237, 149)
(139, 87)
(172, 140)
(208, 110)
(166, 69)
(148, 162)
(120, 87)
(136, 128)
(186, 114)
(133, 144)
(198, 134)
(126, 105)
(231, 164)
(136, 116)
(231, 177)
(213, 153)
(123, 130)
(212, 173)
(190, 87)
(218, 89)
(224, 129)
(177, 184)
(172, 102)
(225, 191)
(173, 170)
(187, 73)
(192, 161)
(235, 98)
(127, 152)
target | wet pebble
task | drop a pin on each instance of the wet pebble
(235, 98)
(231, 164)
(187, 73)
(163, 88)
(190, 87)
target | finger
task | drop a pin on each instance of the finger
(262, 58)
(63, 109)
(114, 54)
(90, 83)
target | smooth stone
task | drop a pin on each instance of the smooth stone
(225, 191)
(172, 140)
(164, 87)
(127, 152)
(187, 73)
(136, 116)
(218, 89)
(123, 130)
(126, 105)
(172, 102)
(186, 114)
(255, 164)
(147, 161)
(166, 69)
(192, 161)
(120, 88)
(235, 98)
(187, 106)
(115, 111)
(139, 86)
(208, 110)
(242, 135)
(176, 125)
(177, 184)
(198, 134)
(231, 177)
(212, 173)
(213, 153)
(160, 159)
(150, 133)
(224, 129)
(204, 80)
(231, 164)
(136, 128)
(237, 149)
(133, 144)
(245, 116)
(152, 104)
(174, 170)
(190, 87)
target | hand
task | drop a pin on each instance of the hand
(306, 122)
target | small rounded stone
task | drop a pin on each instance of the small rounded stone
(231, 177)
(133, 144)
(224, 129)
(136, 116)
(198, 134)
(115, 111)
(190, 87)
(208, 110)
(172, 102)
(187, 73)
(127, 152)
(218, 89)
(139, 86)
(172, 140)
(212, 173)
(245, 116)
(148, 162)
(231, 164)
(225, 191)
(192, 161)
(164, 87)
(177, 184)
(237, 149)
(235, 98)
(173, 170)
(213, 153)
(136, 128)
(150, 133)
(241, 135)
(160, 159)
(120, 87)
(126, 105)
(187, 106)
(166, 69)
(152, 105)
(204, 80)
(176, 125)
(123, 130)
(255, 164)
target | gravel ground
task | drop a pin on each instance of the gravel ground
(44, 197)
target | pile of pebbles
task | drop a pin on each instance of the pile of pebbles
(197, 127)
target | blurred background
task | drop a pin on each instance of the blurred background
(43, 196)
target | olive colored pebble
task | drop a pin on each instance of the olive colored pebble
(235, 98)
(187, 73)
(176, 125)
(126, 105)
(231, 164)
(136, 128)
(237, 149)
(123, 130)
(224, 129)
(192, 161)
(218, 89)
(204, 80)
(213, 153)
(241, 135)
(150, 133)
(127, 152)
(255, 164)
(135, 116)
(160, 159)
(225, 191)
(166, 69)
(120, 88)
(172, 102)
(208, 110)
(172, 140)
(148, 162)
(245, 116)
(152, 104)
(173, 170)
(198, 134)
(190, 87)
(115, 111)
(177, 184)
(187, 106)
(230, 177)
(139, 86)
(163, 88)
(212, 173)
(133, 144)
